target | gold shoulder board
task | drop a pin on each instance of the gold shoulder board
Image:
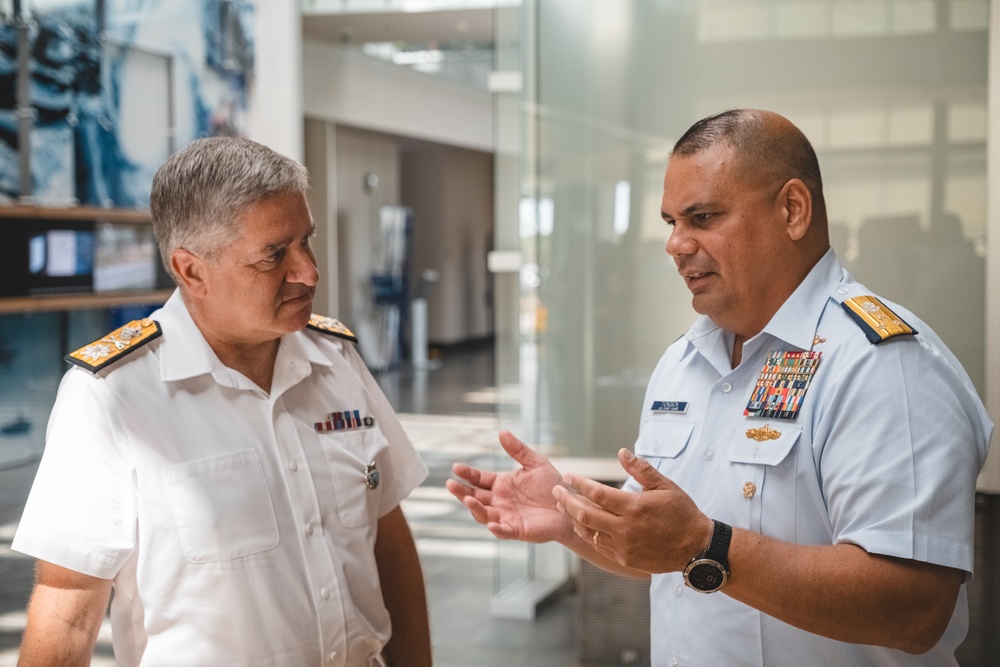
(115, 345)
(331, 327)
(876, 319)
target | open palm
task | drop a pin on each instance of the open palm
(515, 505)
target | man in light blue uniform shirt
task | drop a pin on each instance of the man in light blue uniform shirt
(806, 449)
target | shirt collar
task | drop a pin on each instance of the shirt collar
(795, 322)
(797, 318)
(184, 352)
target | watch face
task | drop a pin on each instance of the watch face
(705, 576)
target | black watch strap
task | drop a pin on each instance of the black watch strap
(718, 550)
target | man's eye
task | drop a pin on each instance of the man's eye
(274, 257)
(701, 217)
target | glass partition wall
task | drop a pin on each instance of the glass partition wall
(892, 94)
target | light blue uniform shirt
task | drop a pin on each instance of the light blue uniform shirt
(884, 453)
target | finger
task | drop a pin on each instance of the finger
(642, 471)
(501, 530)
(585, 516)
(488, 517)
(608, 498)
(482, 479)
(520, 452)
(478, 510)
(462, 491)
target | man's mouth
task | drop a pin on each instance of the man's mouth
(695, 276)
(305, 296)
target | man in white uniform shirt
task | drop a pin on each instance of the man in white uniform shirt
(228, 466)
(807, 453)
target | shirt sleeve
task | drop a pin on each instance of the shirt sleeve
(900, 443)
(80, 513)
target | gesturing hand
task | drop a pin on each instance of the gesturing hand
(516, 505)
(656, 530)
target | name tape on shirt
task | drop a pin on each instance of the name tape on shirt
(680, 407)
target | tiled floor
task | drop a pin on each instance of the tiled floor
(450, 414)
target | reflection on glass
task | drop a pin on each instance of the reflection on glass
(893, 96)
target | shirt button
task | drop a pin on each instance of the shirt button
(309, 529)
(293, 466)
(710, 454)
(332, 658)
(679, 591)
(842, 290)
(675, 660)
(324, 593)
(726, 387)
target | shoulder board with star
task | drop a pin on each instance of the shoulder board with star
(876, 319)
(116, 345)
(330, 327)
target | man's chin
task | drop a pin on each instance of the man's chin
(297, 312)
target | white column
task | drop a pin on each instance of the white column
(989, 480)
(276, 118)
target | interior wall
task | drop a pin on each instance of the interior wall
(451, 193)
(361, 155)
(320, 160)
(344, 86)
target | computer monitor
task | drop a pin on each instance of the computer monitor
(46, 257)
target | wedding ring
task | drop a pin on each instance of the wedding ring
(597, 534)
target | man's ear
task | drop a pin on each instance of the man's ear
(797, 202)
(189, 270)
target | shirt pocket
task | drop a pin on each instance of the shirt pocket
(762, 444)
(350, 454)
(663, 436)
(222, 507)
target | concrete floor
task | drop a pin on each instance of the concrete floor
(450, 414)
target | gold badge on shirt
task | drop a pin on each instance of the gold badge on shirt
(117, 344)
(876, 319)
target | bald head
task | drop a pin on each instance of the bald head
(770, 151)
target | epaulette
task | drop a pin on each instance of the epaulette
(115, 345)
(331, 327)
(876, 319)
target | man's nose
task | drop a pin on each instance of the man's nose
(680, 243)
(304, 268)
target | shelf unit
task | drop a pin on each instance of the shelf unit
(78, 301)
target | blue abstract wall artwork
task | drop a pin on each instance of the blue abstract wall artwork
(9, 149)
(115, 86)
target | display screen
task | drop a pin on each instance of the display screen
(47, 257)
(61, 253)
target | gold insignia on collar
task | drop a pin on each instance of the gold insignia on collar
(331, 327)
(817, 339)
(115, 345)
(763, 433)
(749, 489)
(876, 319)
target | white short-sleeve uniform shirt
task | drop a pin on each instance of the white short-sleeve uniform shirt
(236, 533)
(883, 452)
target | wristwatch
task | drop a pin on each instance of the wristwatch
(708, 571)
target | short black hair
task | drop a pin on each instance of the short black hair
(772, 152)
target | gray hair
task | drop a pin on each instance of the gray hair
(200, 193)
